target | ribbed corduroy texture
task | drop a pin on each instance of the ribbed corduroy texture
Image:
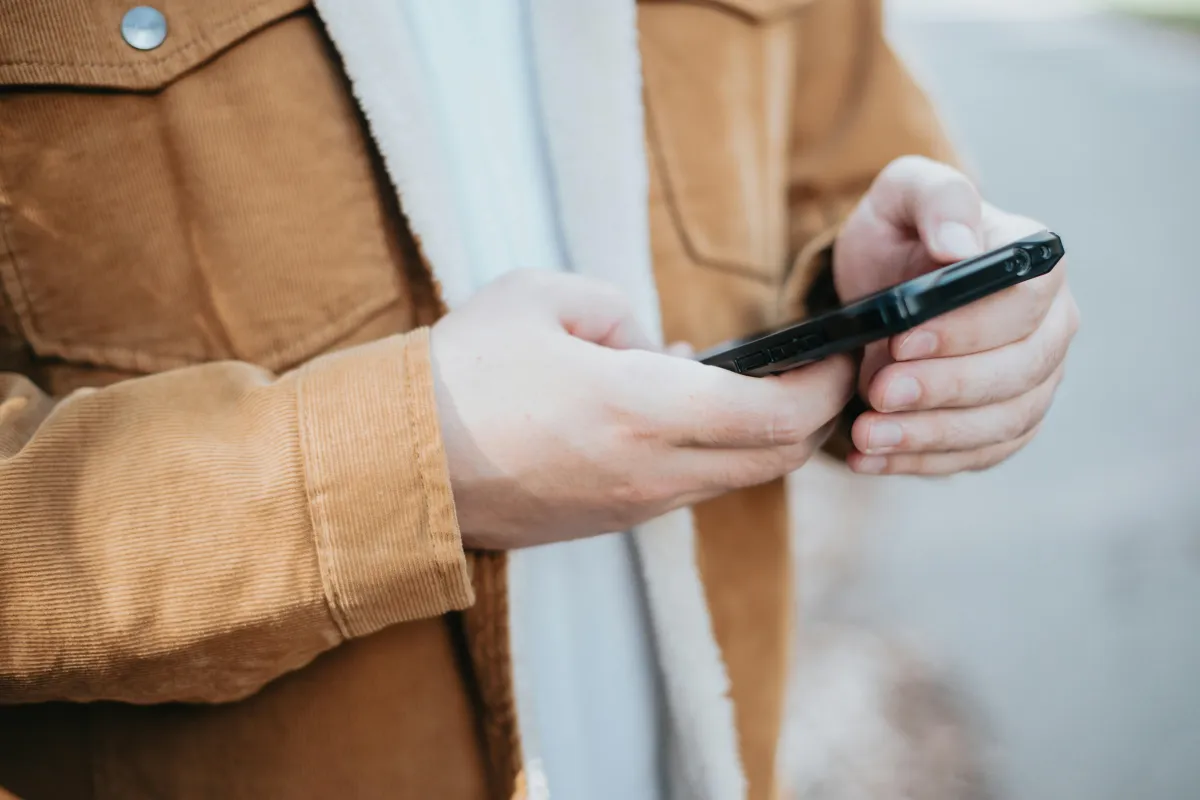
(378, 487)
(216, 515)
(219, 201)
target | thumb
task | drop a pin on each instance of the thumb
(937, 200)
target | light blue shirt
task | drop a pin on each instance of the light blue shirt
(590, 705)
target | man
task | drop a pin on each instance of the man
(268, 511)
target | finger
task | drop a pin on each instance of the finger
(938, 463)
(721, 409)
(695, 474)
(936, 199)
(957, 429)
(875, 358)
(980, 379)
(725, 469)
(992, 322)
(604, 316)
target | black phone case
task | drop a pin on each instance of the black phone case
(890, 311)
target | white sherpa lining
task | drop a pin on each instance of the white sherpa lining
(590, 81)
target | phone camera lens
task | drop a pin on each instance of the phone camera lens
(1020, 263)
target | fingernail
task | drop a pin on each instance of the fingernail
(902, 393)
(919, 344)
(958, 240)
(884, 434)
(872, 465)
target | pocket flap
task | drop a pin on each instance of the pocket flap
(80, 43)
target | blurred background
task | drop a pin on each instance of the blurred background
(1033, 633)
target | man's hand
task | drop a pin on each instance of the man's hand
(968, 389)
(560, 421)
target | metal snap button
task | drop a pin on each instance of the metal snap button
(143, 27)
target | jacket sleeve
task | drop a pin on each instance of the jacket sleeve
(191, 535)
(855, 108)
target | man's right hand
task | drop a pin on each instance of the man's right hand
(561, 420)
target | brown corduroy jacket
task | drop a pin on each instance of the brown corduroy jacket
(229, 560)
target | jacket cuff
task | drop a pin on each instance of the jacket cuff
(809, 290)
(378, 486)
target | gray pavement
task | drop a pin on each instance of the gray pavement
(1062, 590)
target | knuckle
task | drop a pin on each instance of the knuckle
(981, 463)
(993, 457)
(1032, 298)
(905, 167)
(630, 425)
(897, 168)
(1036, 417)
(1029, 436)
(640, 432)
(919, 436)
(1055, 349)
(1013, 419)
(954, 430)
(780, 461)
(1045, 361)
(984, 459)
(956, 387)
(632, 495)
(1056, 380)
(750, 470)
(1026, 414)
(1073, 316)
(1025, 419)
(785, 427)
(952, 183)
(1041, 404)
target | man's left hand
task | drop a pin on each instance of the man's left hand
(966, 390)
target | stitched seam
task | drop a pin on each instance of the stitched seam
(14, 274)
(9, 270)
(411, 401)
(14, 277)
(855, 85)
(303, 346)
(149, 360)
(673, 206)
(321, 538)
(204, 37)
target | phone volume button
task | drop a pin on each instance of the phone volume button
(752, 361)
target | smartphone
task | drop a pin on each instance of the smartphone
(890, 311)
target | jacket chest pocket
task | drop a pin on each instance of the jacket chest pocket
(718, 80)
(210, 197)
